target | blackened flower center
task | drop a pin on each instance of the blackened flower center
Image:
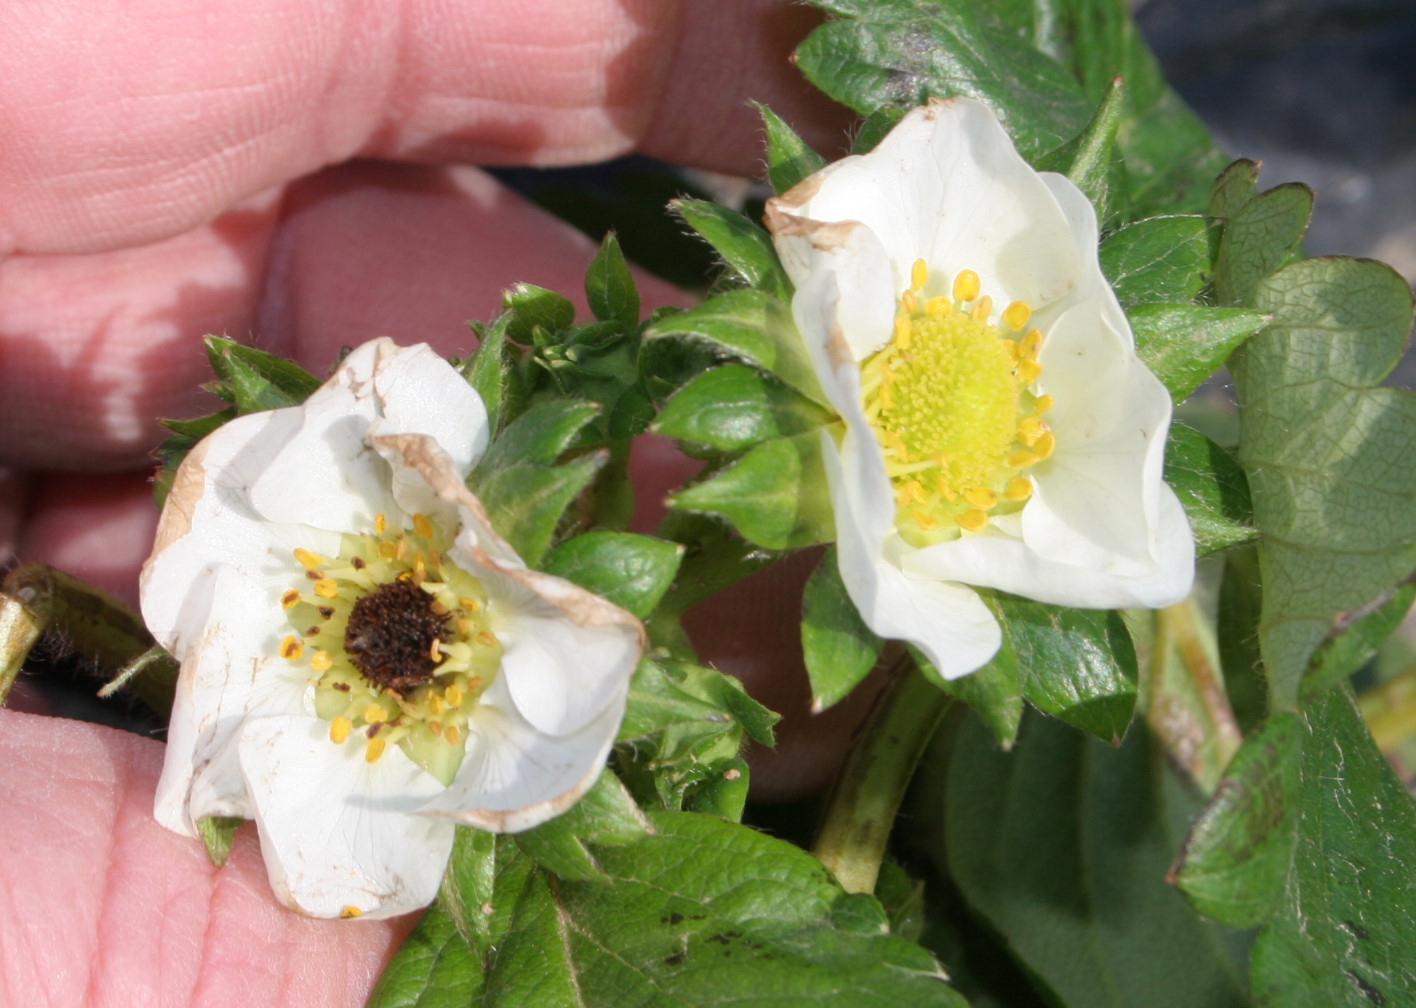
(393, 634)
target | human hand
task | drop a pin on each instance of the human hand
(293, 176)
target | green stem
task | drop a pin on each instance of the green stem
(861, 812)
(88, 622)
(20, 631)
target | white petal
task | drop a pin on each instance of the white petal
(1008, 564)
(209, 522)
(948, 622)
(945, 185)
(232, 672)
(420, 393)
(1091, 286)
(515, 777)
(337, 831)
(845, 301)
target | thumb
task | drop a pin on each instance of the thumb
(104, 906)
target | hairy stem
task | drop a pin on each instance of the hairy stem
(861, 812)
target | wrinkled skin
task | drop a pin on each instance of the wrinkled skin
(294, 175)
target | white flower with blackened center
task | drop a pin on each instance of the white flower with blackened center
(997, 429)
(365, 663)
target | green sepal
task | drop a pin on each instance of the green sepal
(488, 370)
(838, 648)
(610, 289)
(1211, 487)
(526, 503)
(733, 407)
(1158, 259)
(745, 248)
(540, 435)
(789, 159)
(750, 325)
(632, 571)
(1184, 344)
(257, 380)
(1090, 160)
(775, 496)
(217, 834)
(530, 308)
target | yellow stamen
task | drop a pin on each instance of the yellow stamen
(309, 561)
(902, 331)
(916, 491)
(435, 650)
(375, 750)
(422, 526)
(1029, 371)
(292, 648)
(470, 604)
(1045, 446)
(966, 285)
(375, 714)
(380, 523)
(326, 588)
(1031, 344)
(938, 307)
(339, 729)
(909, 301)
(290, 599)
(919, 274)
(485, 638)
(1018, 489)
(981, 497)
(320, 661)
(463, 626)
(350, 912)
(452, 735)
(453, 695)
(1016, 315)
(1043, 404)
(972, 520)
(924, 521)
(1030, 429)
(1022, 459)
(983, 309)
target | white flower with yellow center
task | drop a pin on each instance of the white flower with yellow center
(999, 430)
(365, 663)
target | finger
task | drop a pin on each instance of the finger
(12, 504)
(124, 127)
(98, 529)
(105, 907)
(753, 631)
(93, 349)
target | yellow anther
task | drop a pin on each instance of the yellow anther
(320, 661)
(420, 569)
(1021, 459)
(463, 626)
(435, 650)
(919, 275)
(375, 750)
(380, 523)
(422, 526)
(887, 395)
(971, 521)
(1030, 429)
(916, 491)
(1029, 371)
(375, 714)
(292, 648)
(923, 520)
(388, 550)
(290, 598)
(946, 489)
(1031, 344)
(1016, 315)
(453, 695)
(938, 307)
(485, 638)
(983, 309)
(470, 604)
(902, 331)
(435, 703)
(439, 609)
(1045, 446)
(309, 561)
(350, 912)
(339, 729)
(966, 285)
(400, 549)
(981, 497)
(474, 683)
(326, 588)
(453, 736)
(909, 301)
(1043, 403)
(1018, 489)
